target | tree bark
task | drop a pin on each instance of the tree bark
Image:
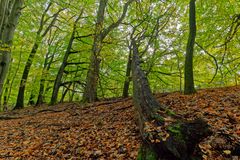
(9, 14)
(90, 91)
(188, 74)
(165, 135)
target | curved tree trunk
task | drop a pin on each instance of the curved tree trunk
(165, 135)
(188, 74)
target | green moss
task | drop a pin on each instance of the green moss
(176, 131)
(170, 112)
(158, 118)
(146, 153)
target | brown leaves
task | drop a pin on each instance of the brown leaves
(220, 107)
(107, 130)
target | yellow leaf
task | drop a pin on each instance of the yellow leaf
(227, 152)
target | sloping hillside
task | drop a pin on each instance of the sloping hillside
(108, 129)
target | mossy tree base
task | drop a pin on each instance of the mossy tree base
(165, 135)
(181, 144)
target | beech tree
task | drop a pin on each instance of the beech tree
(188, 74)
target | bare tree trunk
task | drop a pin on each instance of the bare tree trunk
(165, 135)
(9, 14)
(188, 74)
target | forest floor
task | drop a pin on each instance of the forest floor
(108, 130)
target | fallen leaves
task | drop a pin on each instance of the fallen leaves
(221, 108)
(108, 130)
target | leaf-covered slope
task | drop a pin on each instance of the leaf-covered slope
(108, 130)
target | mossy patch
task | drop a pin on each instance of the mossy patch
(158, 118)
(146, 153)
(175, 130)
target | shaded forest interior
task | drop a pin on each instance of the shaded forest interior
(76, 74)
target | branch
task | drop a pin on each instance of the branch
(70, 82)
(42, 18)
(84, 36)
(76, 63)
(52, 22)
(214, 58)
(116, 24)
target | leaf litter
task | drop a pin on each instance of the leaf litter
(108, 129)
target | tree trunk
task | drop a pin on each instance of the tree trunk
(9, 15)
(57, 82)
(180, 73)
(188, 74)
(90, 91)
(20, 98)
(165, 135)
(40, 99)
(65, 93)
(127, 77)
(14, 75)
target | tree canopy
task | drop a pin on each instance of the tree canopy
(162, 25)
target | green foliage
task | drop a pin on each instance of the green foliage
(162, 49)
